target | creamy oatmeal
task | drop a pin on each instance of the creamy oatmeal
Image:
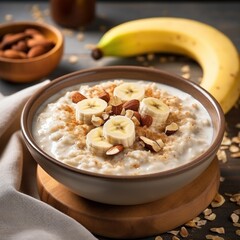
(123, 127)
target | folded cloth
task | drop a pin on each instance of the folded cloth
(22, 214)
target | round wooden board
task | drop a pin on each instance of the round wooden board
(133, 221)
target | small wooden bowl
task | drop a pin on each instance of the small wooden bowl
(31, 69)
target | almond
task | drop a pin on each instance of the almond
(114, 150)
(36, 51)
(131, 105)
(48, 44)
(150, 144)
(12, 39)
(20, 46)
(129, 113)
(171, 128)
(146, 120)
(105, 96)
(31, 31)
(77, 97)
(13, 54)
(117, 105)
(137, 115)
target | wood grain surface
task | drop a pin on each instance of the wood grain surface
(137, 220)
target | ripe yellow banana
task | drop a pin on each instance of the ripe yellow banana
(213, 50)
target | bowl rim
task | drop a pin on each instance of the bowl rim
(28, 137)
(58, 44)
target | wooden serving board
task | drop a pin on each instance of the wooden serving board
(133, 221)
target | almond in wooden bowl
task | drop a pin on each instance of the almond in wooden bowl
(29, 51)
(123, 157)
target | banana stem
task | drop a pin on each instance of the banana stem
(96, 53)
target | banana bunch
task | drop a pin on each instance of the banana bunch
(214, 51)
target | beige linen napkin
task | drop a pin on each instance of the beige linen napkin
(22, 215)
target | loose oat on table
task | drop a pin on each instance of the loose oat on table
(234, 217)
(219, 230)
(213, 237)
(210, 217)
(184, 232)
(218, 201)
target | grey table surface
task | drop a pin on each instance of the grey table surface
(223, 15)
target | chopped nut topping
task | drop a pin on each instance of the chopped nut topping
(115, 150)
(97, 121)
(150, 144)
(171, 128)
(77, 97)
(146, 120)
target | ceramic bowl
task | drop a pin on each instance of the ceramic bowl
(122, 190)
(31, 69)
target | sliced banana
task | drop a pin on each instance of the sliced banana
(86, 108)
(119, 130)
(128, 91)
(96, 142)
(154, 107)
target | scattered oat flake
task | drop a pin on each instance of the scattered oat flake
(90, 46)
(210, 217)
(73, 59)
(140, 58)
(8, 17)
(158, 238)
(67, 32)
(236, 224)
(186, 75)
(222, 179)
(201, 223)
(80, 37)
(219, 230)
(218, 201)
(235, 155)
(174, 232)
(207, 212)
(191, 224)
(236, 140)
(224, 147)
(175, 238)
(234, 149)
(238, 125)
(234, 217)
(185, 68)
(235, 197)
(150, 56)
(237, 211)
(226, 141)
(238, 232)
(222, 156)
(212, 237)
(184, 232)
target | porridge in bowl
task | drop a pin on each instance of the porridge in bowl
(123, 127)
